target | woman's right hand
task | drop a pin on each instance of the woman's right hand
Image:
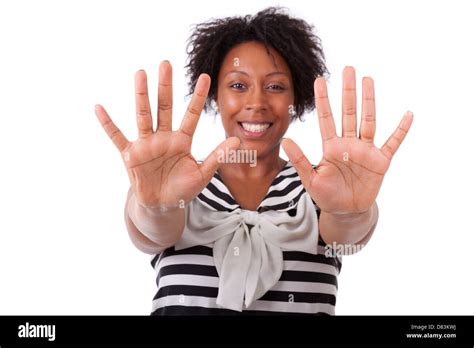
(163, 173)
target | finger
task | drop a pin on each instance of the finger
(367, 125)
(393, 143)
(326, 121)
(349, 103)
(211, 163)
(191, 118)
(110, 128)
(144, 119)
(165, 96)
(299, 161)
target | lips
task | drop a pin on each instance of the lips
(255, 129)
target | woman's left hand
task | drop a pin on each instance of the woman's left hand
(350, 174)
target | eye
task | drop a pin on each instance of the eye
(276, 87)
(238, 86)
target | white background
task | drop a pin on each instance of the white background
(64, 248)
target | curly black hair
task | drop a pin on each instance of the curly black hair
(291, 37)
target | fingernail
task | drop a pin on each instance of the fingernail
(409, 113)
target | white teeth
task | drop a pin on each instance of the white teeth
(255, 127)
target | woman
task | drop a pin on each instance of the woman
(237, 238)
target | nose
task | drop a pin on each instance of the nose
(256, 100)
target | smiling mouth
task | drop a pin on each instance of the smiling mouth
(255, 128)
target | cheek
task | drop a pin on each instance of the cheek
(229, 103)
(282, 107)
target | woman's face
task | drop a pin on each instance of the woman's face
(255, 97)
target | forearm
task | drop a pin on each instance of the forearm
(348, 228)
(163, 228)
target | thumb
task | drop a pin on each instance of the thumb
(299, 161)
(211, 163)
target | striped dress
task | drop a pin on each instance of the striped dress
(187, 280)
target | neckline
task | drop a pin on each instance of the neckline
(274, 182)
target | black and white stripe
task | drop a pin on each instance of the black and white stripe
(187, 279)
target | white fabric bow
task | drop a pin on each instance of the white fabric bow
(249, 261)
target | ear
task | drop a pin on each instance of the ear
(215, 103)
(295, 102)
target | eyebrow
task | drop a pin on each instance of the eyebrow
(244, 73)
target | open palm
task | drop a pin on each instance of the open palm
(162, 171)
(350, 174)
